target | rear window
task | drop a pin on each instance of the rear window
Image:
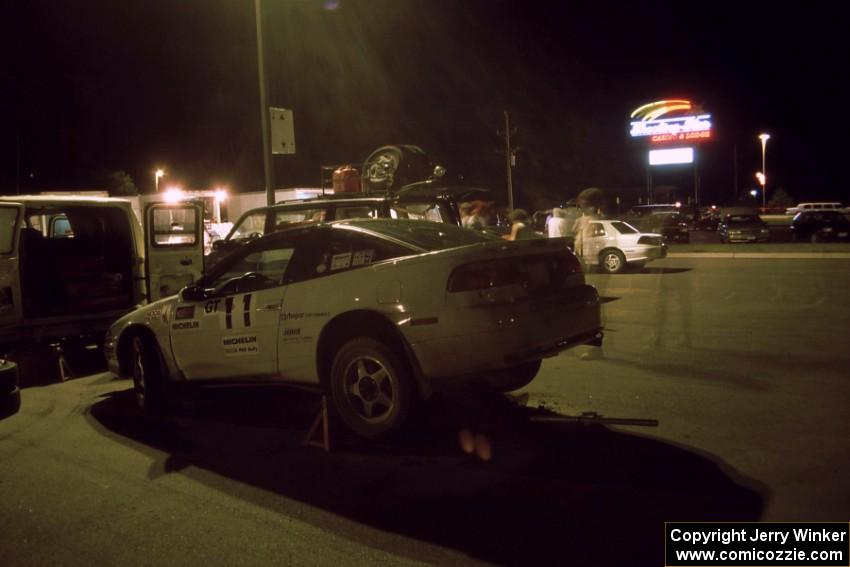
(624, 228)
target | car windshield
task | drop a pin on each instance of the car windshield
(422, 234)
(624, 228)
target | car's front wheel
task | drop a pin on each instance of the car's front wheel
(148, 381)
(370, 387)
(612, 261)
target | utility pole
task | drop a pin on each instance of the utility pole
(264, 106)
(508, 160)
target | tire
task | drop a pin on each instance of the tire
(10, 392)
(515, 378)
(612, 261)
(148, 380)
(370, 387)
(391, 167)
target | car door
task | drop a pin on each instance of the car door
(11, 309)
(174, 247)
(591, 241)
(232, 331)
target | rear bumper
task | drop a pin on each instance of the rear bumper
(512, 339)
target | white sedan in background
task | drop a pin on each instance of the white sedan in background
(614, 245)
(375, 312)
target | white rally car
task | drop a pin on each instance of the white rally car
(375, 311)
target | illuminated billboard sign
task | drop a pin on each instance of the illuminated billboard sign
(664, 121)
(671, 157)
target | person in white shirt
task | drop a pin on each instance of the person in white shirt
(557, 225)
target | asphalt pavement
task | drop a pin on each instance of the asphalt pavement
(742, 363)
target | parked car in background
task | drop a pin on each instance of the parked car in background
(818, 226)
(707, 219)
(376, 312)
(673, 226)
(614, 245)
(743, 228)
(823, 206)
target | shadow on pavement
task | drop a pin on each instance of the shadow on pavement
(565, 493)
(650, 270)
(38, 365)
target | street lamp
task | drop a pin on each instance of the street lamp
(764, 138)
(157, 174)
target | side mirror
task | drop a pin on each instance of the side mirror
(193, 293)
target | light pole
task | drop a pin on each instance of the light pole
(764, 138)
(157, 174)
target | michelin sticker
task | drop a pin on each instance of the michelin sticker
(362, 257)
(185, 325)
(240, 345)
(340, 261)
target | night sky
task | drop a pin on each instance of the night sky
(95, 86)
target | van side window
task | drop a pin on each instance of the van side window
(252, 226)
(355, 212)
(283, 219)
(8, 221)
(60, 227)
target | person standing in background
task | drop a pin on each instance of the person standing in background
(521, 228)
(557, 225)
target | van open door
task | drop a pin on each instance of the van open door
(174, 247)
(11, 304)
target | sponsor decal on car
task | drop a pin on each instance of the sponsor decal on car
(185, 325)
(185, 312)
(341, 261)
(298, 315)
(240, 345)
(153, 314)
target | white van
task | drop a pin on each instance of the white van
(803, 207)
(70, 266)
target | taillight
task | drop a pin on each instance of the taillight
(484, 275)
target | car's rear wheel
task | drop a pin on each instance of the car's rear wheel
(612, 261)
(515, 378)
(148, 381)
(370, 387)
